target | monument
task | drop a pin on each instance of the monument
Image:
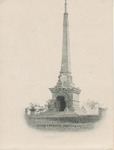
(65, 96)
(63, 111)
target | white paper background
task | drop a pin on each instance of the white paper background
(30, 58)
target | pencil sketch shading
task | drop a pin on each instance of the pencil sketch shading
(63, 111)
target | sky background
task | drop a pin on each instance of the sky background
(30, 59)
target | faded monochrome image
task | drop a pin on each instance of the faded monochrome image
(56, 74)
(63, 111)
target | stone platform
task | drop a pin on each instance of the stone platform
(62, 121)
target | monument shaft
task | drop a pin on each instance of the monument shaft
(65, 96)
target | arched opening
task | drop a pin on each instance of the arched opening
(61, 104)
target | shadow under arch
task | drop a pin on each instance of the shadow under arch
(61, 102)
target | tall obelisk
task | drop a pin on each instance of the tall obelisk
(65, 78)
(65, 96)
(65, 64)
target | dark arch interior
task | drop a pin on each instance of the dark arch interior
(62, 103)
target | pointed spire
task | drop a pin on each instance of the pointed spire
(65, 64)
(65, 6)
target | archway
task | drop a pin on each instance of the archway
(61, 104)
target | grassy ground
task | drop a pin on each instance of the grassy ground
(62, 123)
